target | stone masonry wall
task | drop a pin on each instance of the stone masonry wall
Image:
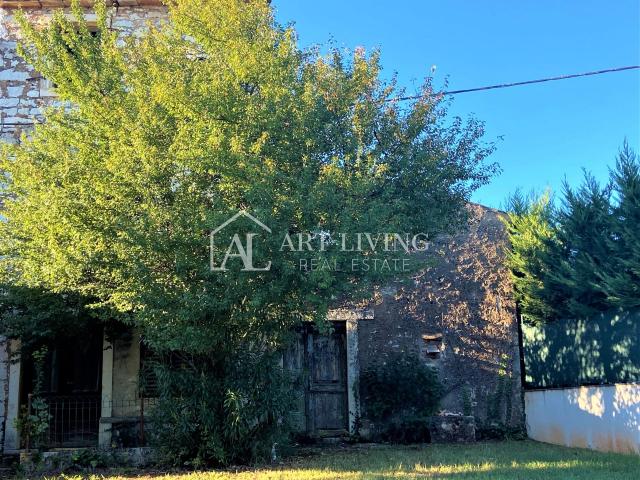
(23, 92)
(465, 299)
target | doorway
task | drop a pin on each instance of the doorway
(69, 380)
(318, 363)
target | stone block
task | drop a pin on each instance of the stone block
(15, 91)
(13, 75)
(21, 120)
(452, 428)
(8, 102)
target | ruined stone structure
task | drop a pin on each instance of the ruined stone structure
(24, 93)
(453, 429)
(457, 315)
(460, 317)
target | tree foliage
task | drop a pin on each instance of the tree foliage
(161, 137)
(582, 256)
(530, 234)
(37, 316)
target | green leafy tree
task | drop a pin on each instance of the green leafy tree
(161, 137)
(37, 316)
(584, 228)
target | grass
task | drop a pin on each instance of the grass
(486, 461)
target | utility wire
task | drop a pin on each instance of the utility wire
(465, 90)
(514, 84)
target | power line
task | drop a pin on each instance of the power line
(514, 84)
(454, 92)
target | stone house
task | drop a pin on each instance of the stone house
(458, 315)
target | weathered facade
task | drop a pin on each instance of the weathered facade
(457, 315)
(23, 91)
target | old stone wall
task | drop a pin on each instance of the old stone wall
(458, 315)
(24, 93)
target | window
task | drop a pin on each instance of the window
(148, 381)
(150, 360)
(433, 345)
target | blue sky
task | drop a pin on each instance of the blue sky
(550, 131)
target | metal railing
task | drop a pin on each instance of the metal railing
(74, 421)
(129, 420)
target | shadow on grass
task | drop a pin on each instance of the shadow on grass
(481, 461)
(480, 472)
(484, 461)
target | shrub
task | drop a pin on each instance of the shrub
(499, 431)
(398, 396)
(33, 420)
(214, 411)
(33, 425)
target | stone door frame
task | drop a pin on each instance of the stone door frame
(351, 317)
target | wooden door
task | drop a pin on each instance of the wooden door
(319, 362)
(327, 387)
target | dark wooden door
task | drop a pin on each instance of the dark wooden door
(327, 388)
(319, 362)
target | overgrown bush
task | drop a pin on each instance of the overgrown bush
(398, 396)
(64, 464)
(220, 411)
(33, 425)
(499, 431)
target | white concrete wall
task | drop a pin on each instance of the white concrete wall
(603, 418)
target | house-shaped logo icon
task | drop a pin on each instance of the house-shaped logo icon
(237, 248)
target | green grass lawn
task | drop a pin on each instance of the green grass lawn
(503, 460)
